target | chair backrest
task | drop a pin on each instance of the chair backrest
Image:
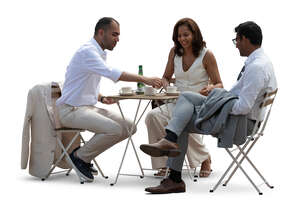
(265, 110)
(55, 94)
(67, 136)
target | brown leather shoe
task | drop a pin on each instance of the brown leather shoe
(161, 148)
(167, 186)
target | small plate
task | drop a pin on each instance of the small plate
(127, 94)
(160, 94)
(173, 93)
(154, 94)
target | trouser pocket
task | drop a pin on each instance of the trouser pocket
(66, 113)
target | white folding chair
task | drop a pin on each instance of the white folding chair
(258, 131)
(56, 93)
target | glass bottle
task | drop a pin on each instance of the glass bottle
(140, 85)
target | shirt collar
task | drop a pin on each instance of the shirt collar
(253, 55)
(100, 50)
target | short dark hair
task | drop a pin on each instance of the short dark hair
(104, 23)
(197, 43)
(251, 31)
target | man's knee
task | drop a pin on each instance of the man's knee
(193, 97)
(114, 130)
(128, 129)
(133, 129)
(188, 95)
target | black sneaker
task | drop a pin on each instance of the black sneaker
(82, 167)
(93, 170)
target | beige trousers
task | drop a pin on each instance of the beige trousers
(109, 128)
(156, 120)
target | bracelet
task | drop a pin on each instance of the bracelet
(101, 99)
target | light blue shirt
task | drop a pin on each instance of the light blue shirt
(257, 79)
(83, 76)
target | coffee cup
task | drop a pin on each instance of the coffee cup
(126, 90)
(171, 89)
(148, 90)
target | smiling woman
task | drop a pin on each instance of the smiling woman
(195, 69)
(187, 34)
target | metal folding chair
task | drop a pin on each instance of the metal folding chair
(56, 93)
(258, 131)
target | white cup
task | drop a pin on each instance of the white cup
(171, 89)
(126, 90)
(148, 90)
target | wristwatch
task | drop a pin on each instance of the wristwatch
(101, 99)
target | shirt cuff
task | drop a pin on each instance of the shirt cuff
(115, 74)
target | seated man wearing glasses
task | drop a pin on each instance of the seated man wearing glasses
(228, 115)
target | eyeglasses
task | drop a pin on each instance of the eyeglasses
(234, 41)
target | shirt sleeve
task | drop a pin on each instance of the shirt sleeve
(95, 64)
(253, 83)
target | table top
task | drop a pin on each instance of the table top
(158, 96)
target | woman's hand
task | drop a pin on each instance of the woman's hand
(206, 90)
(165, 83)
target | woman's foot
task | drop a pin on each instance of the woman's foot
(205, 170)
(161, 172)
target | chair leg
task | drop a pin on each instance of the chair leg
(62, 155)
(195, 172)
(189, 170)
(250, 162)
(99, 169)
(226, 172)
(221, 179)
(68, 173)
(240, 167)
(237, 156)
(257, 171)
(70, 161)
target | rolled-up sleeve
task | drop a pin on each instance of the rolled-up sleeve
(254, 79)
(95, 64)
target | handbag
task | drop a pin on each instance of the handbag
(156, 103)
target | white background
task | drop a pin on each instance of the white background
(37, 40)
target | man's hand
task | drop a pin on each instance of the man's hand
(154, 81)
(108, 101)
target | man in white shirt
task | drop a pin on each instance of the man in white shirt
(81, 92)
(256, 77)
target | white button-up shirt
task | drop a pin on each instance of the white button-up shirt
(257, 79)
(83, 76)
